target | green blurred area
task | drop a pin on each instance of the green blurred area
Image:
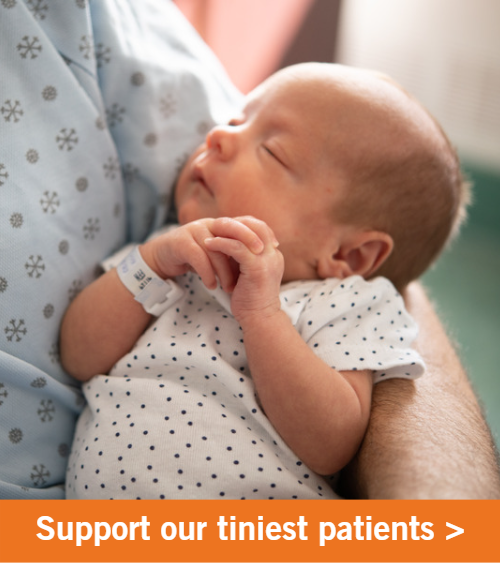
(464, 286)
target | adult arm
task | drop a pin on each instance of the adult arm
(427, 439)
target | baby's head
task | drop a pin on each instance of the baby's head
(402, 176)
(350, 172)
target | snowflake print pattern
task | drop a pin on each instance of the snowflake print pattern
(16, 220)
(15, 435)
(67, 139)
(49, 93)
(38, 8)
(74, 290)
(32, 156)
(3, 393)
(86, 47)
(130, 172)
(102, 55)
(29, 47)
(35, 266)
(138, 79)
(54, 354)
(46, 410)
(11, 111)
(3, 285)
(63, 450)
(50, 202)
(48, 310)
(3, 174)
(111, 168)
(9, 3)
(82, 184)
(114, 115)
(168, 105)
(39, 382)
(91, 228)
(40, 475)
(64, 247)
(15, 330)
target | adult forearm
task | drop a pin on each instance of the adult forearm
(415, 449)
(427, 438)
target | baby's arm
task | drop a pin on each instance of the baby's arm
(100, 325)
(104, 320)
(321, 413)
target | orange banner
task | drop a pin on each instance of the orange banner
(253, 531)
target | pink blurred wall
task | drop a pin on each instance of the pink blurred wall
(250, 37)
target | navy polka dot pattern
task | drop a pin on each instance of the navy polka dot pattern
(178, 417)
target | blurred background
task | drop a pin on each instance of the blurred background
(446, 53)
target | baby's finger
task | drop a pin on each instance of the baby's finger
(200, 263)
(229, 247)
(261, 229)
(223, 270)
(235, 229)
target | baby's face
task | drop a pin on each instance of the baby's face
(269, 162)
(289, 159)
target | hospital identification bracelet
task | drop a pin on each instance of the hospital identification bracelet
(153, 293)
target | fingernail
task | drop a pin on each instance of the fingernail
(258, 246)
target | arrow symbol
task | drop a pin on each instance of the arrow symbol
(457, 531)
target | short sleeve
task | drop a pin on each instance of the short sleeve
(354, 324)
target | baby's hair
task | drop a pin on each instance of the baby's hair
(416, 193)
(424, 215)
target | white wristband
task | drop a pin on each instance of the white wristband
(153, 293)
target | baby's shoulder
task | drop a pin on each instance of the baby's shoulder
(342, 290)
(352, 297)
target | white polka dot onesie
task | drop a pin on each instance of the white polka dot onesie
(178, 417)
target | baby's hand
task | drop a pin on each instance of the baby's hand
(251, 244)
(184, 249)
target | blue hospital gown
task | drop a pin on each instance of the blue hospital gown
(100, 103)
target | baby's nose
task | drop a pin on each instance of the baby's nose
(223, 140)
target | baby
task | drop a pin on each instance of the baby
(242, 346)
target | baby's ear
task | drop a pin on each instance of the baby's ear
(361, 254)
